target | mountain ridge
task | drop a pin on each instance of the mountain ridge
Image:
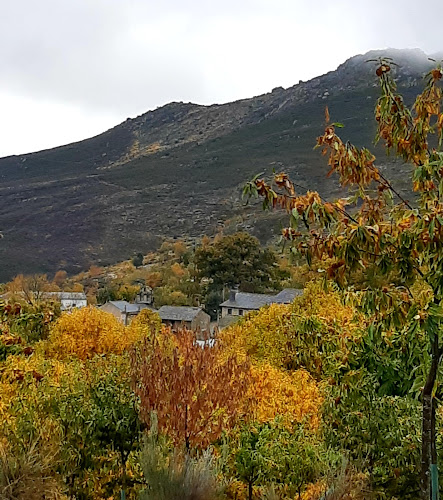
(176, 171)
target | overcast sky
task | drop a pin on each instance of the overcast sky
(71, 69)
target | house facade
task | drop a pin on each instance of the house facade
(145, 296)
(123, 310)
(239, 303)
(191, 318)
(68, 300)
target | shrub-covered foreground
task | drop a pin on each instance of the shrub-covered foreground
(299, 401)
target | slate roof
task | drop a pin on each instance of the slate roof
(178, 313)
(66, 295)
(249, 300)
(124, 306)
(253, 301)
(287, 295)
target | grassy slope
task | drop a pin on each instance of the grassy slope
(73, 206)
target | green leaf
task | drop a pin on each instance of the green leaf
(431, 228)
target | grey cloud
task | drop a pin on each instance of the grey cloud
(83, 53)
(130, 56)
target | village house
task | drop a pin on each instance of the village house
(192, 318)
(145, 295)
(68, 300)
(123, 310)
(239, 303)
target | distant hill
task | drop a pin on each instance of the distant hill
(177, 171)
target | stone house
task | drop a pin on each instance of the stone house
(145, 295)
(68, 300)
(239, 303)
(123, 310)
(192, 318)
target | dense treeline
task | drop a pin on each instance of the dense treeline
(298, 400)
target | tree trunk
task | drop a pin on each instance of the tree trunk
(426, 447)
(433, 441)
(428, 451)
(187, 442)
(250, 490)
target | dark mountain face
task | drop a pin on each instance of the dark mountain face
(177, 171)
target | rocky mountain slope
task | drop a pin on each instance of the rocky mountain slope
(177, 171)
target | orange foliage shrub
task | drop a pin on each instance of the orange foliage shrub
(89, 331)
(154, 279)
(195, 395)
(60, 277)
(177, 270)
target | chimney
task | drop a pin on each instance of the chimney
(233, 293)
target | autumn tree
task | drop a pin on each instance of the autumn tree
(180, 249)
(380, 230)
(237, 259)
(194, 393)
(154, 279)
(84, 413)
(166, 295)
(146, 324)
(310, 333)
(60, 277)
(98, 415)
(89, 331)
(77, 287)
(30, 288)
(294, 396)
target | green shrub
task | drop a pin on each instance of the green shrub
(172, 475)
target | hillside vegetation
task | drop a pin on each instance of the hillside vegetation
(333, 397)
(177, 171)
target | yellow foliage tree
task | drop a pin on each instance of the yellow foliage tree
(179, 249)
(295, 396)
(77, 287)
(295, 335)
(89, 331)
(145, 324)
(36, 395)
